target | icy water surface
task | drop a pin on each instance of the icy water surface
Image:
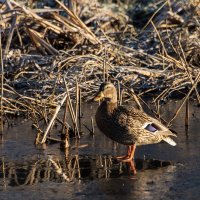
(90, 172)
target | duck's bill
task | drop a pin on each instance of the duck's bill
(99, 96)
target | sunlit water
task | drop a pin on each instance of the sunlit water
(89, 172)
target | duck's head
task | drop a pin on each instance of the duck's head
(108, 92)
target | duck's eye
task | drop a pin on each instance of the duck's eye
(106, 87)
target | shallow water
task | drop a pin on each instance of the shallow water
(90, 172)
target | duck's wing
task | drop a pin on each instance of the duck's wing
(144, 126)
(148, 123)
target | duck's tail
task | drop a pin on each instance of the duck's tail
(166, 138)
(169, 141)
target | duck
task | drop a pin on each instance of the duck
(128, 125)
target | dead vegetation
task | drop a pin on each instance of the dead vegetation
(51, 55)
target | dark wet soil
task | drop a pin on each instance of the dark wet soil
(90, 171)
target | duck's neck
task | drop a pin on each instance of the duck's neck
(108, 106)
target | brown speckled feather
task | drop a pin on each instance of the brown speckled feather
(125, 125)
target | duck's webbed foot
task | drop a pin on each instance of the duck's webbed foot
(121, 158)
(129, 158)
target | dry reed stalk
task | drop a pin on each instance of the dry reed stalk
(90, 35)
(43, 22)
(121, 97)
(187, 112)
(176, 82)
(66, 142)
(73, 169)
(154, 73)
(63, 63)
(10, 34)
(92, 125)
(71, 111)
(65, 116)
(40, 43)
(185, 99)
(157, 105)
(104, 71)
(43, 112)
(80, 110)
(59, 170)
(162, 94)
(2, 82)
(65, 131)
(174, 61)
(77, 33)
(32, 174)
(26, 98)
(35, 121)
(80, 103)
(135, 97)
(53, 139)
(66, 125)
(105, 167)
(161, 41)
(38, 135)
(71, 27)
(151, 18)
(30, 177)
(170, 41)
(54, 117)
(77, 101)
(78, 166)
(119, 91)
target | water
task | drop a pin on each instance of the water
(90, 172)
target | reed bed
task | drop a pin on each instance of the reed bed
(58, 56)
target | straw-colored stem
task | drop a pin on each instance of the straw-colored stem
(92, 124)
(59, 170)
(121, 97)
(78, 166)
(79, 109)
(77, 101)
(65, 115)
(10, 34)
(2, 83)
(151, 18)
(65, 130)
(119, 92)
(162, 43)
(187, 113)
(53, 118)
(104, 71)
(71, 110)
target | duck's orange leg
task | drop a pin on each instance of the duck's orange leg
(132, 166)
(129, 158)
(120, 158)
(131, 152)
